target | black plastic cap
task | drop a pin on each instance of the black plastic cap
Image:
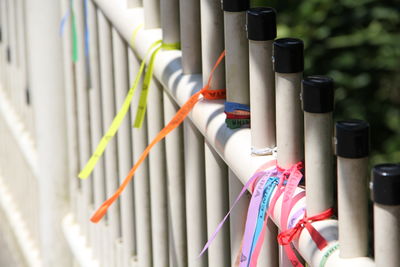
(261, 24)
(288, 55)
(386, 184)
(352, 139)
(235, 5)
(317, 94)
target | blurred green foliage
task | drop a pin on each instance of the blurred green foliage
(357, 43)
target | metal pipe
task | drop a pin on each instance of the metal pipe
(72, 118)
(23, 76)
(385, 190)
(237, 83)
(141, 181)
(317, 99)
(237, 51)
(261, 31)
(352, 149)
(212, 45)
(50, 118)
(7, 52)
(196, 220)
(212, 42)
(217, 206)
(261, 27)
(3, 28)
(151, 14)
(190, 36)
(288, 60)
(12, 55)
(158, 184)
(170, 21)
(120, 63)
(176, 188)
(82, 86)
(110, 154)
(237, 218)
(174, 149)
(96, 125)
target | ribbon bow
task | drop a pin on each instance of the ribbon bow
(284, 238)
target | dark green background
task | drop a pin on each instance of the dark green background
(357, 43)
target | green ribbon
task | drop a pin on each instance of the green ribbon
(74, 34)
(236, 123)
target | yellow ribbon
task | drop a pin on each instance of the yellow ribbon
(135, 33)
(141, 110)
(116, 123)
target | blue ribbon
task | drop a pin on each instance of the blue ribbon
(232, 106)
(85, 6)
(268, 189)
(63, 22)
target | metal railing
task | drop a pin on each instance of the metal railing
(183, 190)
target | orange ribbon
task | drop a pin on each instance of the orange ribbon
(284, 238)
(179, 117)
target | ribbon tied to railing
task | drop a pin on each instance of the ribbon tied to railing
(179, 117)
(286, 237)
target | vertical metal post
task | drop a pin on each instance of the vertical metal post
(82, 87)
(96, 126)
(190, 36)
(196, 221)
(120, 57)
(261, 28)
(385, 191)
(237, 83)
(155, 122)
(261, 31)
(289, 65)
(6, 41)
(288, 57)
(111, 153)
(23, 79)
(141, 181)
(13, 56)
(151, 14)
(176, 188)
(212, 41)
(158, 184)
(3, 30)
(212, 45)
(170, 21)
(71, 110)
(174, 149)
(217, 206)
(50, 117)
(317, 98)
(352, 149)
(238, 215)
(237, 51)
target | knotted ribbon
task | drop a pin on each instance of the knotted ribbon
(286, 237)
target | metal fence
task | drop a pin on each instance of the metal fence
(62, 85)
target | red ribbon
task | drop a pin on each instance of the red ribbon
(284, 238)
